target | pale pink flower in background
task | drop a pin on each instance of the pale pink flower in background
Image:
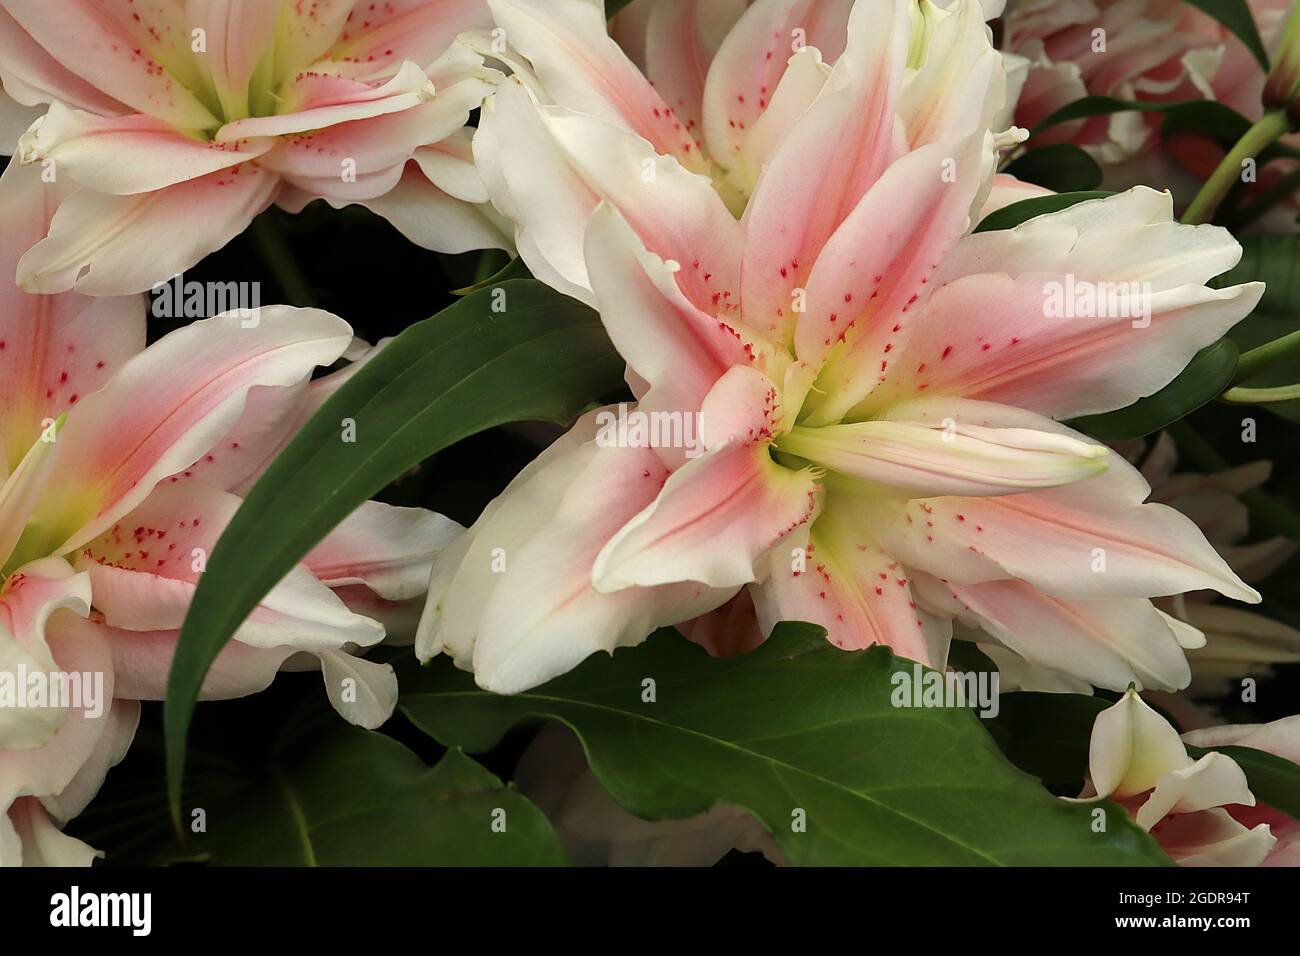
(121, 465)
(876, 387)
(1154, 50)
(181, 121)
(574, 127)
(1239, 643)
(1189, 806)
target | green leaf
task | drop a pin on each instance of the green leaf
(797, 725)
(1047, 735)
(467, 369)
(324, 793)
(1208, 117)
(1206, 377)
(1204, 117)
(1275, 261)
(1236, 16)
(514, 269)
(614, 6)
(1060, 167)
(1008, 217)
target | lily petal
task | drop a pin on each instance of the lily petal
(185, 392)
(91, 248)
(108, 44)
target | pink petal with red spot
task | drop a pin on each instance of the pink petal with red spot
(118, 47)
(101, 244)
(185, 392)
(581, 68)
(825, 164)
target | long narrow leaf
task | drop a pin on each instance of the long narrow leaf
(514, 352)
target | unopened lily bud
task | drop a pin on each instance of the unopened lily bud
(1284, 78)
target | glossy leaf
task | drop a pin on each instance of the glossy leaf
(1008, 217)
(1206, 377)
(323, 793)
(801, 734)
(513, 352)
(1060, 167)
(1236, 16)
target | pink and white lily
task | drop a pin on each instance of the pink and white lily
(181, 121)
(876, 388)
(120, 467)
(1191, 807)
(1281, 738)
(1151, 50)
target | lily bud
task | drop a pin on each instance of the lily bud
(1284, 78)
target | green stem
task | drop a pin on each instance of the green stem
(1263, 507)
(1266, 131)
(1261, 396)
(273, 246)
(1264, 356)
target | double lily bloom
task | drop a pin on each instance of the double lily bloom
(1150, 50)
(121, 465)
(877, 386)
(179, 122)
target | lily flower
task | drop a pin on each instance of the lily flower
(1281, 738)
(1190, 807)
(120, 467)
(180, 122)
(877, 390)
(1149, 50)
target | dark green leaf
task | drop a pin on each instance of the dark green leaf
(467, 369)
(613, 6)
(1060, 167)
(1008, 217)
(514, 269)
(1236, 16)
(1047, 735)
(1206, 377)
(795, 730)
(1204, 117)
(324, 794)
(1275, 261)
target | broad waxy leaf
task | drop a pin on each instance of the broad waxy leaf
(325, 793)
(797, 732)
(1236, 16)
(537, 356)
(1275, 261)
(1206, 377)
(1048, 734)
(1060, 167)
(1207, 117)
(1008, 217)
